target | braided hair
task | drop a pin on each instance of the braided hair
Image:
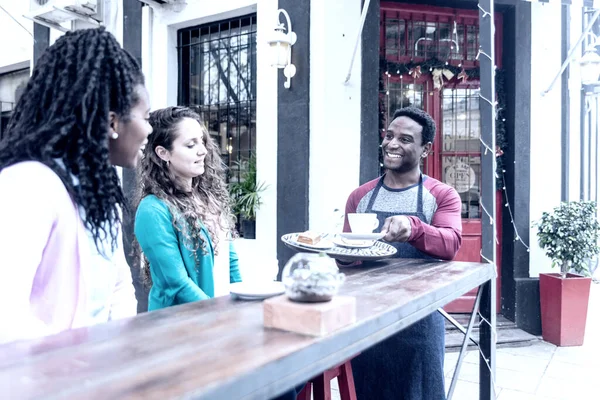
(62, 121)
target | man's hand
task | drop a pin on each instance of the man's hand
(396, 228)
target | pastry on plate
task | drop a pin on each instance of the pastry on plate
(309, 237)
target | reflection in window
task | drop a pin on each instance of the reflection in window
(408, 35)
(217, 74)
(461, 160)
(463, 174)
(461, 120)
(401, 94)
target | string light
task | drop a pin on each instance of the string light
(485, 258)
(485, 13)
(494, 340)
(512, 219)
(518, 237)
(484, 53)
(487, 148)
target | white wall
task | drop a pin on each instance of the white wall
(545, 120)
(159, 50)
(266, 138)
(15, 41)
(334, 109)
(545, 158)
(17, 44)
(574, 107)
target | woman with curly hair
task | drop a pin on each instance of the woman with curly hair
(184, 222)
(82, 113)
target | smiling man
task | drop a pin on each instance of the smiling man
(421, 217)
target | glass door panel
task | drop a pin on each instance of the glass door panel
(461, 153)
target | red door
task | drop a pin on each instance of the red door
(411, 35)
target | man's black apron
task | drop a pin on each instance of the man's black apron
(410, 364)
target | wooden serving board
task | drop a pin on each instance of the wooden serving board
(314, 319)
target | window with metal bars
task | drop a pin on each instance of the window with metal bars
(460, 146)
(217, 76)
(420, 34)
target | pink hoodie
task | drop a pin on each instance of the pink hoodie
(52, 277)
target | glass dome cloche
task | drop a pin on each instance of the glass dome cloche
(311, 278)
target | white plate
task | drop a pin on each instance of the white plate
(362, 236)
(353, 244)
(256, 290)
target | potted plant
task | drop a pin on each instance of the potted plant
(245, 196)
(569, 235)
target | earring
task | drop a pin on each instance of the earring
(114, 135)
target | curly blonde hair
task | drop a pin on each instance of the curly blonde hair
(207, 203)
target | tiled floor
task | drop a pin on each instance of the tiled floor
(536, 372)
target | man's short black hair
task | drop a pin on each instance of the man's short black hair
(421, 118)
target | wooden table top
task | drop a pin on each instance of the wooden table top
(219, 349)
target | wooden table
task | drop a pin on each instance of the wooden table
(218, 349)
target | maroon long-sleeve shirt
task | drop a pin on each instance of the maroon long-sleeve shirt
(441, 236)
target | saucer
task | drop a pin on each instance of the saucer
(351, 243)
(256, 290)
(362, 236)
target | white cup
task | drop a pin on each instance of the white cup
(363, 222)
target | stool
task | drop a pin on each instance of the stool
(320, 385)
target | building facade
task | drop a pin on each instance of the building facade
(318, 140)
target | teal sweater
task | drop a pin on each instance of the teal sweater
(175, 277)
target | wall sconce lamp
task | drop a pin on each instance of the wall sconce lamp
(590, 63)
(281, 47)
(587, 61)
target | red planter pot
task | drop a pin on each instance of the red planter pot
(564, 305)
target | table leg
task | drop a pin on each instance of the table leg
(487, 342)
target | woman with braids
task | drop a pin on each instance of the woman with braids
(183, 222)
(83, 112)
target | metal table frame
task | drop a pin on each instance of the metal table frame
(486, 346)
